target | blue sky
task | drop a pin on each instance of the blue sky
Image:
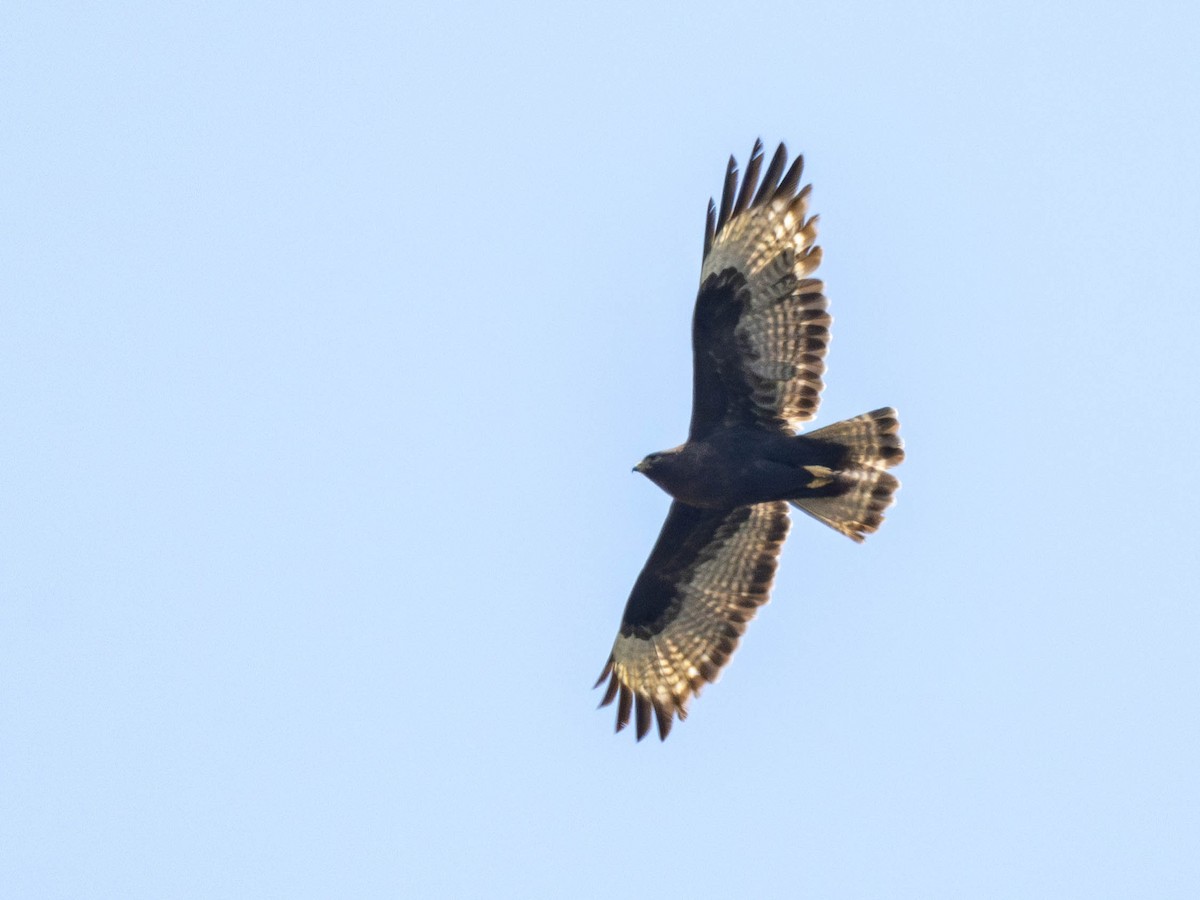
(330, 335)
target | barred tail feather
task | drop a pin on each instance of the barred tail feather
(863, 488)
(858, 509)
(873, 439)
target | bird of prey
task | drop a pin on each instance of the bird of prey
(759, 334)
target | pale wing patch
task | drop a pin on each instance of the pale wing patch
(715, 596)
(784, 332)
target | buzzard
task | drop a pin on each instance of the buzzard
(759, 334)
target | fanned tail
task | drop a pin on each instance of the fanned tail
(854, 496)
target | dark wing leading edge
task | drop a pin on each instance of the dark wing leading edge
(707, 575)
(760, 328)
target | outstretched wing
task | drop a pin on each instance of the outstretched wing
(706, 576)
(760, 328)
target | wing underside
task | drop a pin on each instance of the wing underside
(705, 579)
(761, 328)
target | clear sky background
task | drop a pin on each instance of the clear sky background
(330, 333)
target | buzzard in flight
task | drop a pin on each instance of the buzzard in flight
(759, 334)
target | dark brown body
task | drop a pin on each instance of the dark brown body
(759, 335)
(741, 465)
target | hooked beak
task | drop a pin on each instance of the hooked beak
(640, 467)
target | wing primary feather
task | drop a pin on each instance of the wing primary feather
(643, 716)
(608, 667)
(611, 692)
(791, 180)
(771, 179)
(710, 225)
(749, 178)
(810, 261)
(624, 707)
(809, 231)
(799, 204)
(731, 174)
(663, 715)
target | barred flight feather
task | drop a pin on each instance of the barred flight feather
(718, 590)
(783, 333)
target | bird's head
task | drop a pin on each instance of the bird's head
(647, 465)
(657, 465)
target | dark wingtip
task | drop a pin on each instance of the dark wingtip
(710, 226)
(771, 178)
(624, 707)
(727, 193)
(608, 667)
(663, 715)
(749, 178)
(791, 180)
(610, 692)
(643, 716)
